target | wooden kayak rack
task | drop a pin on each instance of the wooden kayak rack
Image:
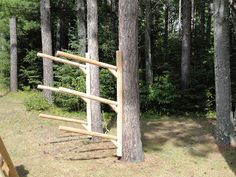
(117, 105)
(7, 168)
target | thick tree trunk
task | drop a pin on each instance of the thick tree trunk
(81, 28)
(46, 46)
(128, 44)
(224, 125)
(92, 30)
(202, 16)
(148, 52)
(13, 54)
(233, 10)
(186, 44)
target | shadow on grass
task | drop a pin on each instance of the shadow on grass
(4, 94)
(196, 136)
(22, 172)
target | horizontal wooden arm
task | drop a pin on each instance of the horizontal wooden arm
(81, 66)
(85, 60)
(92, 97)
(43, 87)
(85, 132)
(65, 119)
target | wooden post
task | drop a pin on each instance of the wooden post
(88, 91)
(120, 102)
(7, 159)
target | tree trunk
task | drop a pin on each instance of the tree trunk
(13, 43)
(46, 46)
(92, 30)
(180, 17)
(148, 52)
(81, 28)
(208, 30)
(224, 125)
(166, 32)
(186, 44)
(233, 10)
(128, 44)
(202, 6)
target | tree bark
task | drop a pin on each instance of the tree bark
(180, 17)
(233, 10)
(186, 44)
(224, 125)
(92, 31)
(13, 55)
(46, 46)
(148, 52)
(81, 28)
(208, 30)
(128, 44)
(166, 32)
(202, 16)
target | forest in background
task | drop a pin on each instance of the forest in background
(159, 21)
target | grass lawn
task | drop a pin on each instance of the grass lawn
(174, 147)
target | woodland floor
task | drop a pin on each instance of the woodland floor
(173, 148)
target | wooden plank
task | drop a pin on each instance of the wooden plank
(81, 66)
(85, 60)
(85, 132)
(114, 72)
(7, 159)
(43, 87)
(120, 102)
(1, 173)
(65, 119)
(92, 97)
(114, 108)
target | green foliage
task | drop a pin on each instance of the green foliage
(31, 71)
(159, 96)
(69, 77)
(35, 102)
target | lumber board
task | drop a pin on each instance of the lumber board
(85, 132)
(49, 57)
(59, 118)
(92, 97)
(7, 159)
(85, 60)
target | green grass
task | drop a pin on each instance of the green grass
(173, 146)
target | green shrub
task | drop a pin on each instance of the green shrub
(36, 102)
(159, 96)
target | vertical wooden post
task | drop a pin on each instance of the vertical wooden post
(7, 159)
(88, 91)
(120, 102)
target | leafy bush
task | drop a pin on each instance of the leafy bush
(36, 102)
(69, 77)
(159, 96)
(31, 70)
